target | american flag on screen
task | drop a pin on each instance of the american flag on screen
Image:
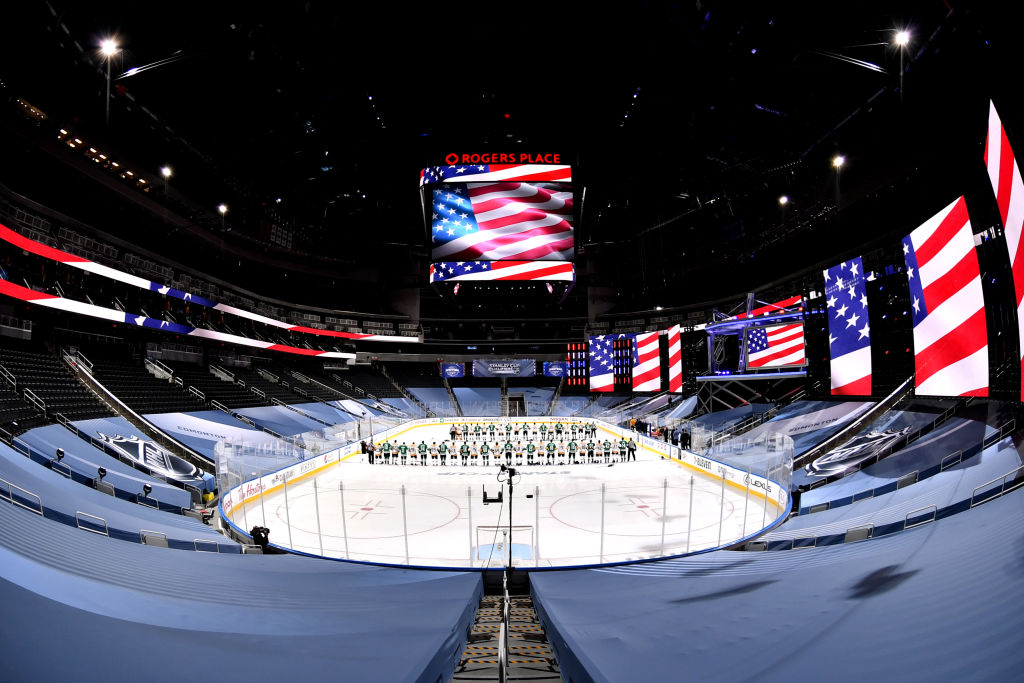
(950, 335)
(793, 303)
(604, 361)
(675, 360)
(775, 346)
(1004, 174)
(451, 271)
(849, 340)
(502, 221)
(552, 173)
(647, 362)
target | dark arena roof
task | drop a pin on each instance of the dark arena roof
(191, 188)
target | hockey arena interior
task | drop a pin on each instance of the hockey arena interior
(648, 342)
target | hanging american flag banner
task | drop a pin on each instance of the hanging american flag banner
(793, 303)
(449, 271)
(647, 362)
(950, 335)
(1004, 173)
(775, 346)
(849, 340)
(502, 221)
(607, 360)
(675, 361)
(480, 173)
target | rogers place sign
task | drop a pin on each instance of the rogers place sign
(488, 158)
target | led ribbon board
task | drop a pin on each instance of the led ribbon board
(63, 257)
(79, 308)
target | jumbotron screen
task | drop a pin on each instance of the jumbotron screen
(499, 212)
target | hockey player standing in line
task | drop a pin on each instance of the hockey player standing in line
(485, 455)
(543, 432)
(453, 432)
(530, 450)
(385, 449)
(559, 427)
(551, 452)
(403, 452)
(572, 450)
(490, 428)
(590, 451)
(465, 450)
(443, 450)
(487, 452)
(607, 450)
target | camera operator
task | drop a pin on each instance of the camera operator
(260, 536)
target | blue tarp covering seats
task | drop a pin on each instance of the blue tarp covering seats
(77, 606)
(435, 398)
(927, 452)
(62, 498)
(948, 491)
(84, 461)
(281, 420)
(940, 602)
(479, 401)
(538, 399)
(118, 426)
(721, 418)
(327, 413)
(569, 405)
(407, 406)
(892, 420)
(809, 423)
(202, 429)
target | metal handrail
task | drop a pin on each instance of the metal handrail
(78, 521)
(10, 497)
(947, 461)
(61, 469)
(1002, 486)
(906, 520)
(503, 653)
(7, 375)
(196, 392)
(39, 403)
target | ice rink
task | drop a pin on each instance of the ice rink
(562, 514)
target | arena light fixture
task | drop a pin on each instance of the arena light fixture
(222, 209)
(108, 47)
(166, 172)
(783, 200)
(902, 38)
(838, 161)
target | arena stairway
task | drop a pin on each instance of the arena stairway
(530, 657)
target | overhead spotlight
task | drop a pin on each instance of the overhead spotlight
(902, 38)
(166, 172)
(659, 308)
(783, 200)
(222, 208)
(108, 47)
(838, 160)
